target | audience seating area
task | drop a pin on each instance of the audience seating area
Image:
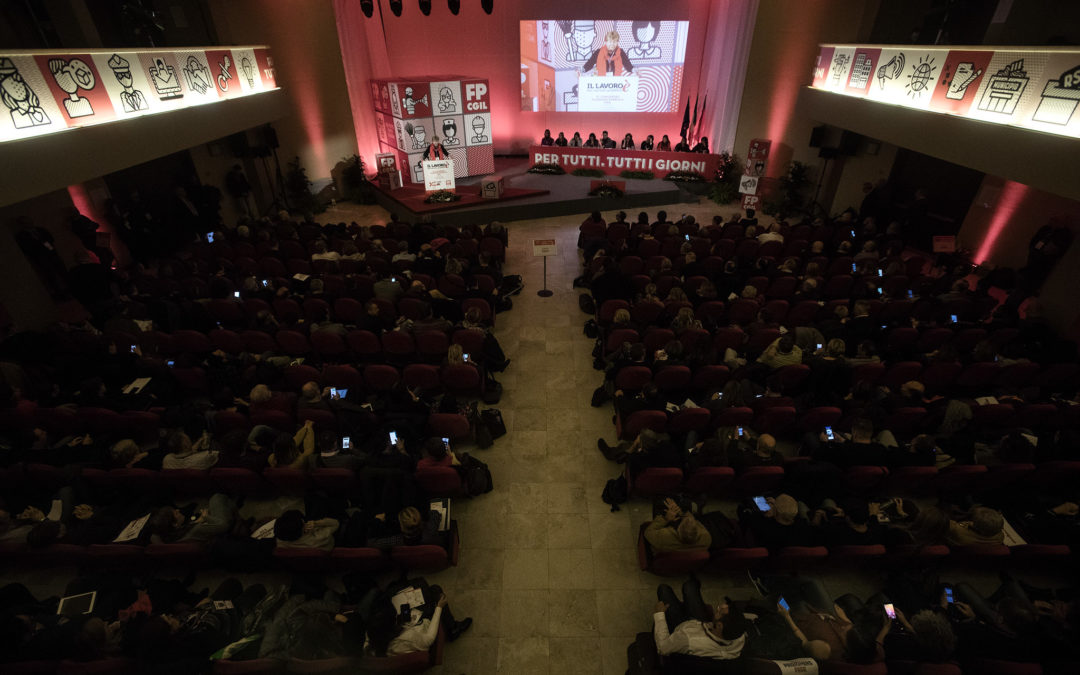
(689, 321)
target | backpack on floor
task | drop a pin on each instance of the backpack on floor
(586, 303)
(493, 420)
(476, 476)
(600, 396)
(592, 331)
(641, 656)
(615, 492)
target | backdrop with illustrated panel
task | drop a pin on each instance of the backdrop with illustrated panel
(411, 111)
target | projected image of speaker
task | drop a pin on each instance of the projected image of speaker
(604, 65)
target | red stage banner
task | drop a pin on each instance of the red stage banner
(612, 162)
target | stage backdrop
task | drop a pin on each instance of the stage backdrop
(408, 111)
(488, 46)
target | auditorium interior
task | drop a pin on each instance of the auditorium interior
(741, 341)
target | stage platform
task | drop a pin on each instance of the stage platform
(527, 195)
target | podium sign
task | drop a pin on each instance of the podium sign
(438, 174)
(607, 94)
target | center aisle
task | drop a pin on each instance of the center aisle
(547, 571)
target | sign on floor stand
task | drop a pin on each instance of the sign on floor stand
(544, 248)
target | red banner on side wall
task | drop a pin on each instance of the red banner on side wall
(613, 162)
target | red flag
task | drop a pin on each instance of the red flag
(686, 118)
(693, 123)
(701, 120)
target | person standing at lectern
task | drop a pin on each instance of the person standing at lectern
(610, 59)
(436, 150)
(547, 139)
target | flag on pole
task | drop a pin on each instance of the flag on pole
(701, 120)
(693, 122)
(686, 119)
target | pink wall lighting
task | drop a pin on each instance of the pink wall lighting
(1008, 204)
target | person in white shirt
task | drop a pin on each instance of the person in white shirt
(693, 628)
(321, 253)
(403, 253)
(771, 234)
(415, 633)
(187, 455)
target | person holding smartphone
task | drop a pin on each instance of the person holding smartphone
(392, 633)
(779, 525)
(763, 453)
(437, 453)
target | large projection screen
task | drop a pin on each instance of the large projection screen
(602, 65)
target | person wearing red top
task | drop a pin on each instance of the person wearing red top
(610, 58)
(436, 453)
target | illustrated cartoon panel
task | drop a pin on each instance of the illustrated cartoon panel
(478, 129)
(652, 51)
(416, 170)
(417, 134)
(1009, 92)
(451, 129)
(959, 81)
(446, 98)
(248, 68)
(76, 85)
(47, 92)
(906, 76)
(30, 108)
(415, 99)
(1059, 96)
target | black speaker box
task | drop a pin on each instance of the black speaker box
(849, 142)
(817, 136)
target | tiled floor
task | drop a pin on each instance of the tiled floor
(547, 571)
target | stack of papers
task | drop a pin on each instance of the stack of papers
(1012, 538)
(136, 386)
(266, 531)
(413, 597)
(440, 508)
(133, 530)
